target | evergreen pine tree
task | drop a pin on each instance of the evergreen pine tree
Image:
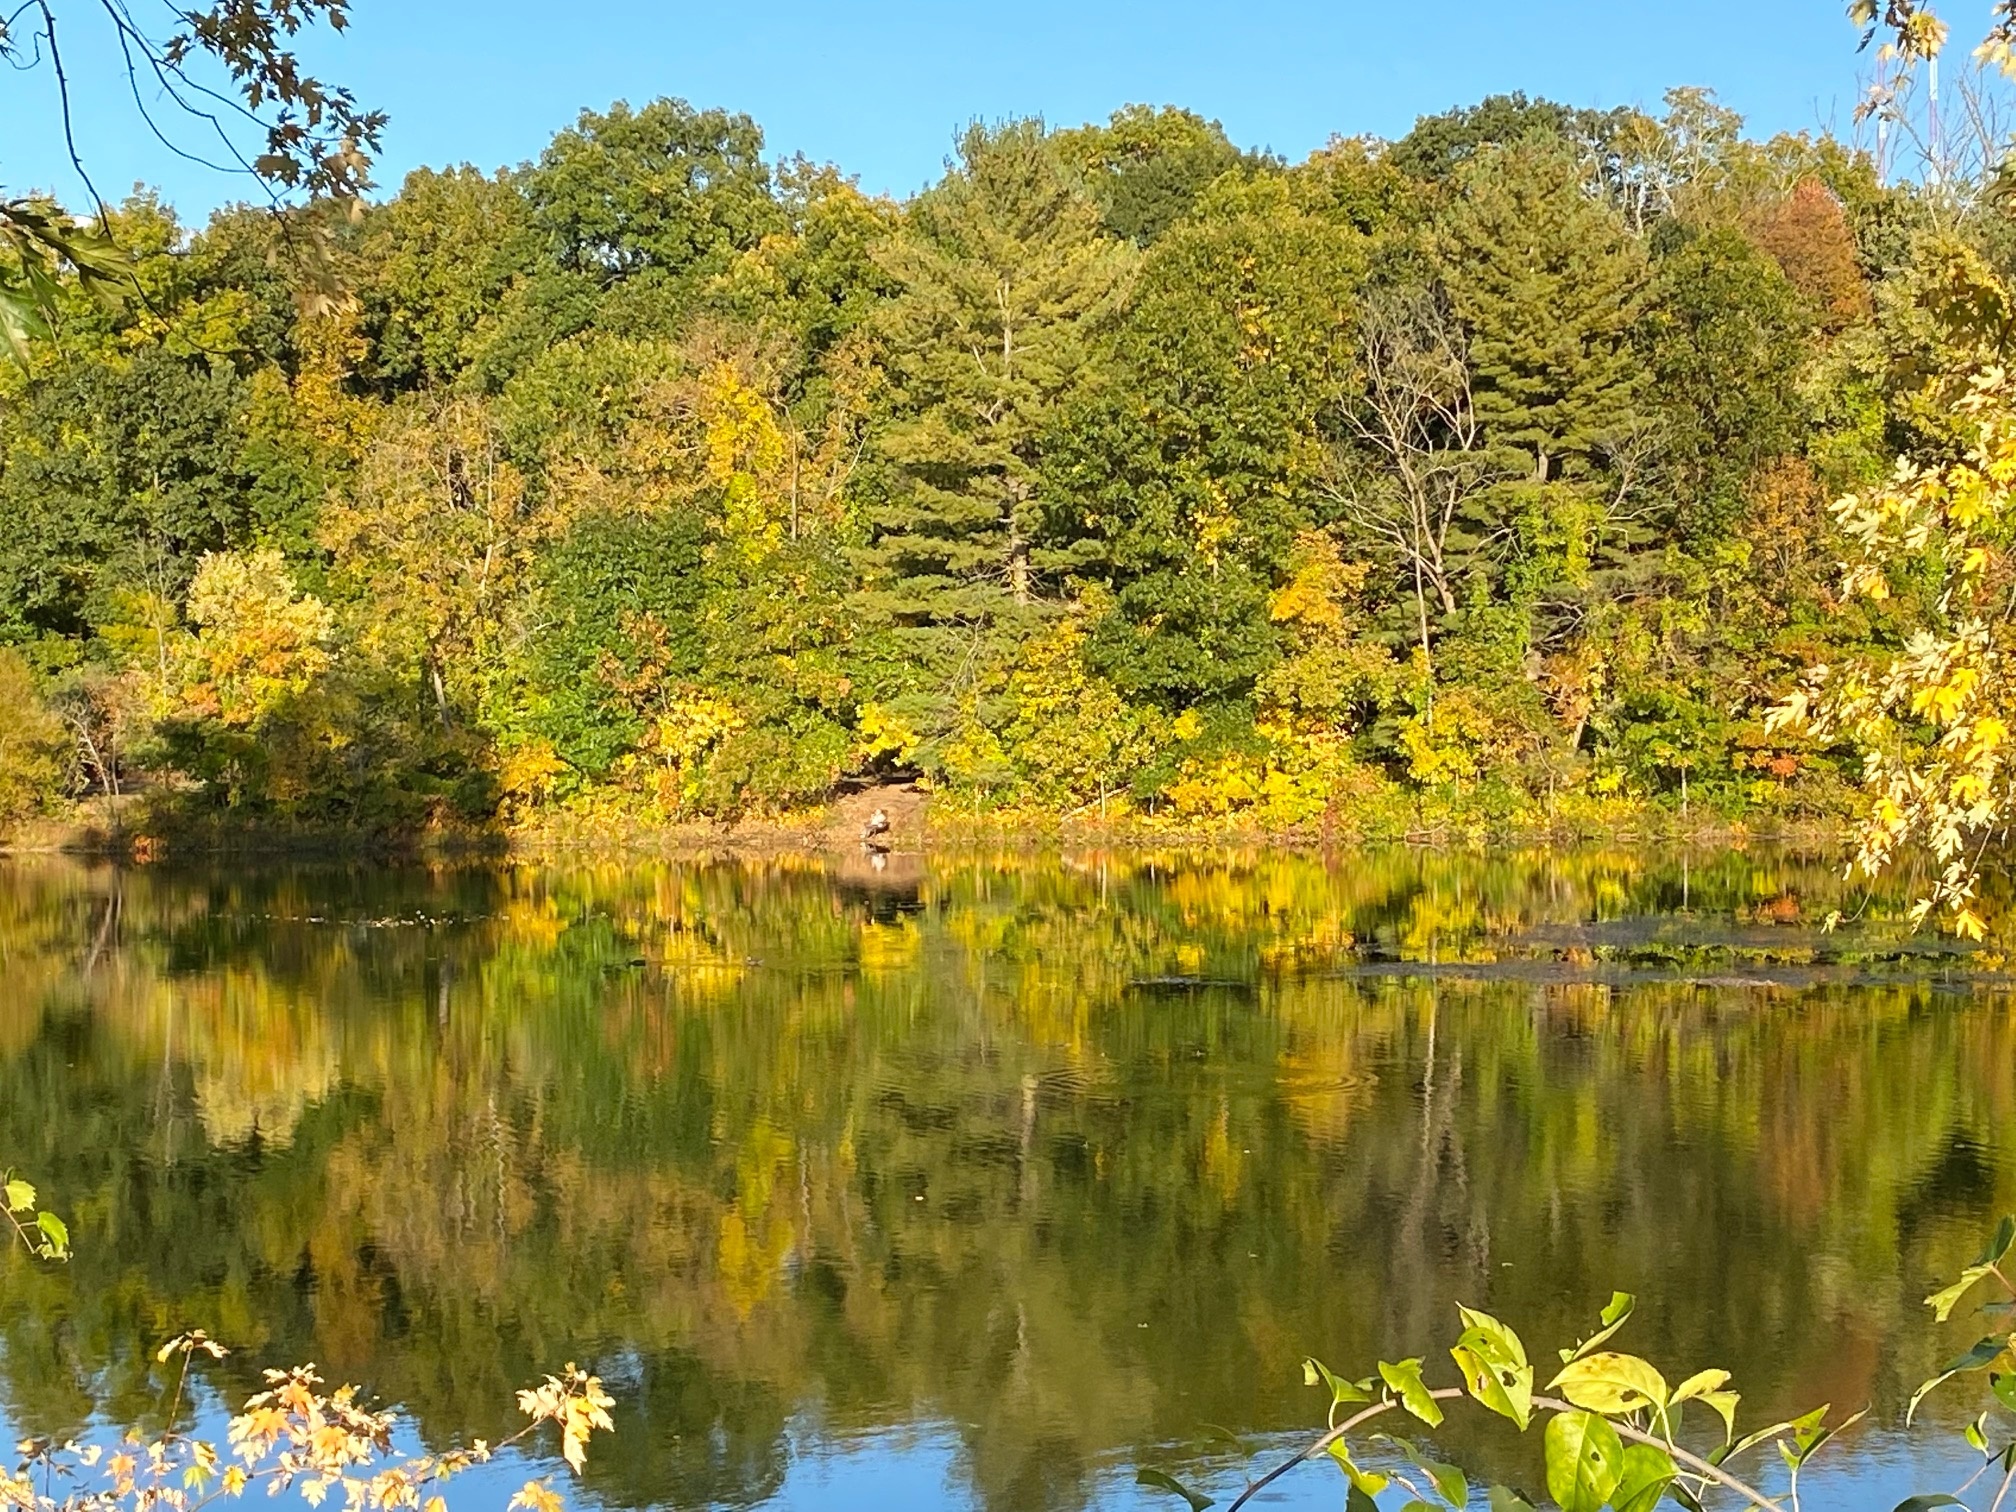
(1003, 273)
(1547, 282)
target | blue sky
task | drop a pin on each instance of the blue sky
(880, 88)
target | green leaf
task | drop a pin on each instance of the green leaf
(1984, 1353)
(1610, 1383)
(1507, 1392)
(1161, 1480)
(1943, 1302)
(1700, 1384)
(1369, 1482)
(20, 323)
(1998, 1245)
(1810, 1437)
(20, 1196)
(1488, 1336)
(1357, 1500)
(1585, 1461)
(1724, 1404)
(1806, 1425)
(1977, 1440)
(1493, 1364)
(1612, 1317)
(1921, 1503)
(1405, 1378)
(1747, 1442)
(1505, 1499)
(55, 1232)
(1341, 1390)
(1648, 1471)
(2004, 1387)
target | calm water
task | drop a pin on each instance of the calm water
(980, 1181)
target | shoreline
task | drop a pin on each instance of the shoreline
(835, 831)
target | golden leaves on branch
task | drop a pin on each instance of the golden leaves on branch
(294, 1435)
(575, 1401)
(1932, 718)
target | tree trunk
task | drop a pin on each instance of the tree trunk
(1427, 656)
(1018, 558)
(440, 690)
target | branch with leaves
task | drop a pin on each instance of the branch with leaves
(1912, 30)
(1612, 1421)
(1611, 1434)
(293, 1435)
(314, 140)
(1932, 719)
(40, 1232)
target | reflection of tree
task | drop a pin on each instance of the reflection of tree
(772, 1152)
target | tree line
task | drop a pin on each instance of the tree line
(1477, 477)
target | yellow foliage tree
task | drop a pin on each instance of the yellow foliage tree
(1332, 671)
(257, 640)
(1310, 703)
(708, 427)
(1073, 740)
(32, 746)
(1932, 718)
(436, 540)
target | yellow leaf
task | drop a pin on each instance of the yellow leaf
(537, 1496)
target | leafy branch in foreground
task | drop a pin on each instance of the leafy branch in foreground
(44, 246)
(314, 139)
(314, 135)
(1611, 1434)
(291, 1435)
(1995, 1353)
(43, 1233)
(1931, 718)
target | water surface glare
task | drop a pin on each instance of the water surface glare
(982, 1180)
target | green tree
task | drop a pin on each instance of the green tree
(619, 608)
(1146, 166)
(432, 265)
(1724, 342)
(1548, 283)
(1005, 277)
(666, 189)
(1440, 145)
(819, 282)
(1183, 477)
(116, 475)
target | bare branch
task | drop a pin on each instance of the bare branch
(63, 101)
(1418, 458)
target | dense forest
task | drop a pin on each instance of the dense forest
(1475, 478)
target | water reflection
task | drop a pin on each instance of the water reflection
(994, 1174)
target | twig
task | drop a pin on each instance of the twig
(63, 98)
(2003, 1490)
(1440, 1394)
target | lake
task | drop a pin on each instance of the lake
(984, 1179)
